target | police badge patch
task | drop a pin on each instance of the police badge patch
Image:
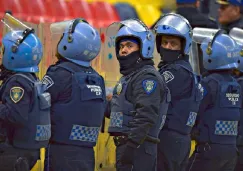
(119, 88)
(149, 86)
(16, 94)
(47, 81)
(168, 76)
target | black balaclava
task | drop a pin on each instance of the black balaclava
(168, 55)
(132, 61)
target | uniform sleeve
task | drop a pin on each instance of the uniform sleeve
(179, 82)
(58, 83)
(209, 95)
(146, 97)
(16, 102)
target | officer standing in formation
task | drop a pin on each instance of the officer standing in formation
(239, 142)
(152, 113)
(219, 114)
(229, 14)
(189, 10)
(140, 98)
(78, 97)
(25, 107)
(173, 43)
(237, 35)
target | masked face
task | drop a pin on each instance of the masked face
(127, 47)
(171, 42)
(170, 49)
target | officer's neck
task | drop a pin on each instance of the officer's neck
(136, 67)
(181, 58)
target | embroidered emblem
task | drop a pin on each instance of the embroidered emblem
(47, 81)
(149, 86)
(16, 94)
(119, 88)
(168, 76)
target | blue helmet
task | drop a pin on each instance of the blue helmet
(22, 51)
(80, 42)
(237, 35)
(134, 28)
(220, 53)
(232, 2)
(174, 25)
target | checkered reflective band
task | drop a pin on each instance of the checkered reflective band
(226, 128)
(84, 133)
(116, 119)
(191, 119)
(43, 132)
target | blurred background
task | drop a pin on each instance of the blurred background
(101, 13)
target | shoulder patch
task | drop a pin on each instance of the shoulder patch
(168, 76)
(16, 94)
(149, 86)
(47, 81)
(119, 88)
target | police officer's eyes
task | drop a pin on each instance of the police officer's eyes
(121, 47)
(164, 42)
(130, 46)
(173, 44)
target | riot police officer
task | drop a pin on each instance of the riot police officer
(25, 107)
(219, 114)
(229, 14)
(173, 42)
(78, 97)
(189, 10)
(237, 35)
(140, 98)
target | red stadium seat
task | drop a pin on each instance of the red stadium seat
(80, 9)
(5, 6)
(37, 11)
(14, 6)
(104, 14)
(58, 10)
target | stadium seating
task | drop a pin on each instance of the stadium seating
(125, 11)
(104, 13)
